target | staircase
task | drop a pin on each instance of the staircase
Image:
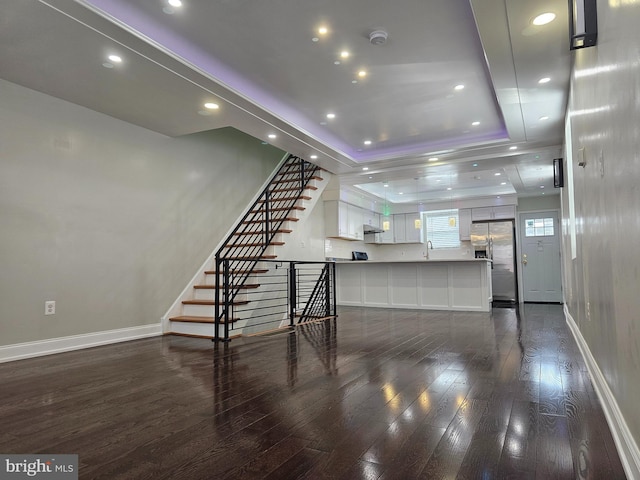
(258, 236)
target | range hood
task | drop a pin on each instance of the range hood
(371, 229)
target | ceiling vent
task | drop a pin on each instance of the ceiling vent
(378, 37)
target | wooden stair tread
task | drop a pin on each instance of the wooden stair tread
(237, 272)
(280, 209)
(287, 219)
(194, 319)
(293, 189)
(281, 230)
(246, 286)
(258, 244)
(315, 177)
(211, 302)
(286, 199)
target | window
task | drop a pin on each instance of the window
(442, 228)
(538, 227)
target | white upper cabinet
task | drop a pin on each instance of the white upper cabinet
(503, 212)
(464, 223)
(404, 228)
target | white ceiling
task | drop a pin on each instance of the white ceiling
(260, 63)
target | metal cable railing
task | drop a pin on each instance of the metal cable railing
(237, 258)
(289, 293)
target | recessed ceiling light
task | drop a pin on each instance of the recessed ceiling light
(272, 136)
(544, 118)
(337, 62)
(331, 116)
(323, 30)
(313, 157)
(544, 18)
(175, 3)
(385, 185)
(497, 174)
(449, 188)
(115, 58)
(544, 80)
(541, 186)
(498, 196)
(344, 54)
(370, 177)
(475, 124)
(354, 81)
(211, 106)
(503, 183)
(362, 73)
(475, 165)
(400, 193)
(365, 168)
(367, 142)
(433, 159)
(459, 87)
(513, 147)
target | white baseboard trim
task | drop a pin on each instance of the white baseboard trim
(40, 348)
(626, 444)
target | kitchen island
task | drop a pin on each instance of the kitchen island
(456, 284)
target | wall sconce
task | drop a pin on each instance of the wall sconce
(583, 23)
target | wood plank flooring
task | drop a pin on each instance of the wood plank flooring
(377, 394)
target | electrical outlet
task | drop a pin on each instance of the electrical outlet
(50, 307)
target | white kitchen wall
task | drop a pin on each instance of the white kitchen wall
(106, 218)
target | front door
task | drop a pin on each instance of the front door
(540, 261)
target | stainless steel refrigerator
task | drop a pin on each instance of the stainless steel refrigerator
(495, 241)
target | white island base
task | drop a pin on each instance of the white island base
(462, 285)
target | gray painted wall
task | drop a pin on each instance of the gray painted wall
(108, 219)
(605, 275)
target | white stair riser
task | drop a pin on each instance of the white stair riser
(210, 294)
(205, 311)
(210, 279)
(204, 329)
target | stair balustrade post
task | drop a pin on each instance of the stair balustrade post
(216, 308)
(292, 293)
(327, 290)
(267, 219)
(301, 176)
(227, 303)
(334, 289)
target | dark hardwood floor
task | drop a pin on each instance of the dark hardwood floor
(377, 394)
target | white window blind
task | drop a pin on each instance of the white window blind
(441, 230)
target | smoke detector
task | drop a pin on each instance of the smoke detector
(378, 37)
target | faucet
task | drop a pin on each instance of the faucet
(429, 246)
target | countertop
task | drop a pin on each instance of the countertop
(431, 260)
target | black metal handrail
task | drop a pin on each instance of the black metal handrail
(245, 246)
(290, 292)
(322, 300)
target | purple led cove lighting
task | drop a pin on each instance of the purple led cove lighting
(137, 21)
(421, 148)
(126, 13)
